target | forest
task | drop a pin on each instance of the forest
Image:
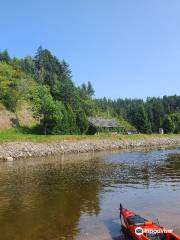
(61, 107)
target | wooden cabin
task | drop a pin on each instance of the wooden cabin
(99, 125)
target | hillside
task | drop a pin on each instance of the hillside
(15, 89)
(38, 92)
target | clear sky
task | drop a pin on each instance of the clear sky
(126, 48)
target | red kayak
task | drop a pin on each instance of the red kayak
(143, 229)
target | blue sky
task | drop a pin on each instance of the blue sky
(126, 48)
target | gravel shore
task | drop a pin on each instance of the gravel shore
(14, 150)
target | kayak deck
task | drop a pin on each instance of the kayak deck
(140, 228)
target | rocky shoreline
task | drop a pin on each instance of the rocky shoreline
(15, 150)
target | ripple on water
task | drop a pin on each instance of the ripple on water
(52, 198)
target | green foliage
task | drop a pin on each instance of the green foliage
(168, 125)
(47, 83)
(10, 99)
(73, 128)
(140, 119)
(43, 108)
(57, 75)
(61, 125)
(28, 65)
(156, 113)
(14, 85)
(52, 114)
(63, 108)
(87, 90)
(125, 124)
(59, 119)
(8, 93)
(145, 120)
(82, 122)
(175, 117)
(4, 56)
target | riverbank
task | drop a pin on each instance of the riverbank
(10, 150)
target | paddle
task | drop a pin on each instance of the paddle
(121, 208)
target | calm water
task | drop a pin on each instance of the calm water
(72, 196)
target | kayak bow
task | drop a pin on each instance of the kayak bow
(143, 229)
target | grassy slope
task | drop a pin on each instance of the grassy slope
(10, 135)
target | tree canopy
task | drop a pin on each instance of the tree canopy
(61, 107)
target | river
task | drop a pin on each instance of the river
(78, 196)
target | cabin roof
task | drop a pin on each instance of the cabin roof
(104, 122)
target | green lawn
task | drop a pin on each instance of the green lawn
(10, 135)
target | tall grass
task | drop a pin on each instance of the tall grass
(20, 134)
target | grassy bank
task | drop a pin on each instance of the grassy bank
(10, 135)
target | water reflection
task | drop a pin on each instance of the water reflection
(55, 198)
(45, 201)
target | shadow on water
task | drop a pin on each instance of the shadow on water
(116, 230)
(71, 197)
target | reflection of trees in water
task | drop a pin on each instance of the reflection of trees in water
(46, 202)
(141, 172)
(170, 170)
(173, 161)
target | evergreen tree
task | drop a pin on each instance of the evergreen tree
(64, 108)
(82, 122)
(87, 90)
(168, 125)
(90, 90)
(57, 75)
(60, 119)
(176, 119)
(4, 56)
(71, 120)
(28, 65)
(140, 119)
